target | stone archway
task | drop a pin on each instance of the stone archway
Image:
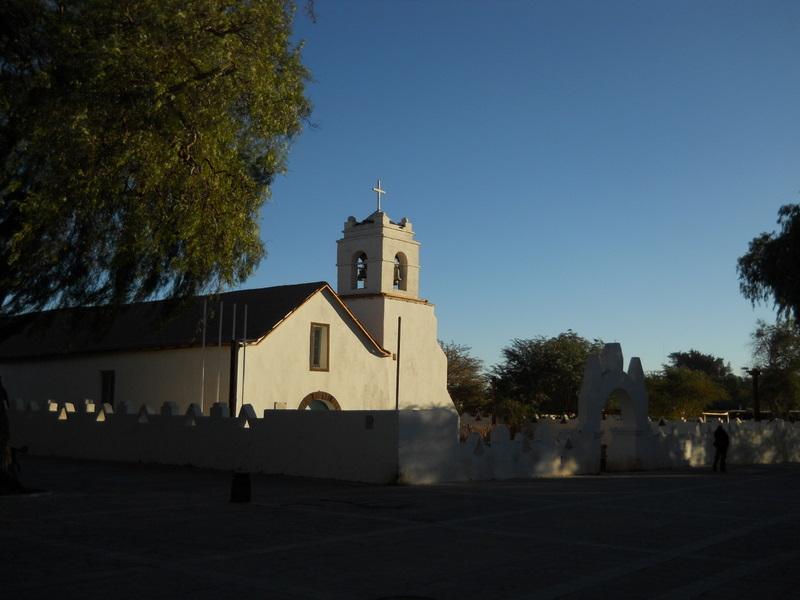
(319, 396)
(602, 377)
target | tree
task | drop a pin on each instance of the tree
(711, 365)
(680, 392)
(770, 267)
(544, 374)
(776, 352)
(718, 370)
(138, 141)
(466, 382)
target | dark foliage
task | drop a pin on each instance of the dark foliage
(466, 381)
(543, 374)
(138, 141)
(776, 352)
(771, 267)
(736, 388)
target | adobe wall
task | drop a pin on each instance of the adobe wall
(277, 369)
(415, 447)
(423, 364)
(353, 445)
(159, 376)
(429, 453)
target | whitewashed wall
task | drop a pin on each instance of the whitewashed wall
(354, 445)
(430, 453)
(277, 369)
(412, 446)
(151, 377)
(423, 364)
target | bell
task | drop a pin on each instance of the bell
(397, 276)
(362, 273)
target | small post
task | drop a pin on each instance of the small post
(755, 372)
(240, 487)
(756, 400)
(494, 403)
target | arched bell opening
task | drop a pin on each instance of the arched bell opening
(400, 278)
(358, 271)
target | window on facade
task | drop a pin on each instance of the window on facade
(320, 346)
(107, 387)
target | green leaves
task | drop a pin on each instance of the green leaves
(682, 392)
(771, 267)
(466, 382)
(544, 373)
(771, 270)
(709, 364)
(776, 352)
(138, 142)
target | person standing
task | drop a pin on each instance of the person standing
(721, 443)
(5, 434)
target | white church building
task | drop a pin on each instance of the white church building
(345, 384)
(371, 344)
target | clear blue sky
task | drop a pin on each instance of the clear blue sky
(597, 166)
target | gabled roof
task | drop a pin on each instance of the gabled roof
(153, 326)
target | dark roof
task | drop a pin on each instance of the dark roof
(151, 325)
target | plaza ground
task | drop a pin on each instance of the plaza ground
(105, 530)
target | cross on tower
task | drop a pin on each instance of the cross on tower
(378, 191)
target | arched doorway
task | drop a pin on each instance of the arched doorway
(319, 401)
(618, 405)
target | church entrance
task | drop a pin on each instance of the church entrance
(317, 405)
(319, 401)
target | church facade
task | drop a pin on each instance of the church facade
(371, 344)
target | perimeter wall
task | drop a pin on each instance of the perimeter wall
(347, 445)
(409, 446)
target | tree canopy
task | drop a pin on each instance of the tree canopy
(720, 373)
(709, 364)
(138, 141)
(776, 352)
(466, 381)
(543, 373)
(771, 265)
(680, 392)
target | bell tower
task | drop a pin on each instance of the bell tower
(378, 256)
(378, 279)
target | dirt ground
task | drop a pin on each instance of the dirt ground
(104, 530)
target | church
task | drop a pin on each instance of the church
(370, 344)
